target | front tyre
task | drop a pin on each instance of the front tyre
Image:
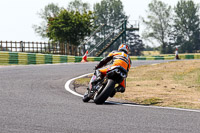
(105, 93)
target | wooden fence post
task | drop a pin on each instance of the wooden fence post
(15, 46)
(37, 46)
(28, 46)
(49, 47)
(6, 45)
(11, 45)
(1, 46)
(33, 46)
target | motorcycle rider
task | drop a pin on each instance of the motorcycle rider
(118, 58)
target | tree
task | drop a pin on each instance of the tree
(111, 14)
(187, 26)
(158, 24)
(70, 26)
(51, 10)
(78, 5)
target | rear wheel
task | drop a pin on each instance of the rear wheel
(102, 96)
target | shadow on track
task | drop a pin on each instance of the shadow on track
(124, 103)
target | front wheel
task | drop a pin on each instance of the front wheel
(101, 97)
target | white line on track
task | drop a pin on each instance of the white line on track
(68, 83)
(132, 105)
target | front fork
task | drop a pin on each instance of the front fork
(97, 88)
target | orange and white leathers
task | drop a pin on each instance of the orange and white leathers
(119, 58)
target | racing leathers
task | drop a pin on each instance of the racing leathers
(118, 58)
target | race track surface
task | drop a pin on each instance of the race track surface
(33, 100)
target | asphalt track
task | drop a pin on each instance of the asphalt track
(33, 99)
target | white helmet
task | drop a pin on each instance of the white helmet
(123, 47)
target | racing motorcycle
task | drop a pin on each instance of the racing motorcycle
(99, 90)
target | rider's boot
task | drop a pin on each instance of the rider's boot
(120, 89)
(117, 89)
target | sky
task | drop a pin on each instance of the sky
(18, 16)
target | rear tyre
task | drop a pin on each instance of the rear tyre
(103, 95)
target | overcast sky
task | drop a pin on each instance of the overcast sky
(18, 16)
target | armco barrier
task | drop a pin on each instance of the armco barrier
(94, 58)
(32, 58)
(166, 57)
(151, 58)
(18, 58)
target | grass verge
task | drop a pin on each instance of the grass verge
(173, 84)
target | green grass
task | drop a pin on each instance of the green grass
(83, 81)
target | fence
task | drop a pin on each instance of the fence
(40, 47)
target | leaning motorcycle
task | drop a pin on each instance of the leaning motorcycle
(102, 89)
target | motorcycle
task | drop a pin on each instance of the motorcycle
(104, 88)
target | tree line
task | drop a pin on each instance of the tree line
(75, 22)
(170, 27)
(173, 27)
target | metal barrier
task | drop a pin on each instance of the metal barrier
(19, 58)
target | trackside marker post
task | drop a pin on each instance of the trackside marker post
(84, 58)
(176, 54)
